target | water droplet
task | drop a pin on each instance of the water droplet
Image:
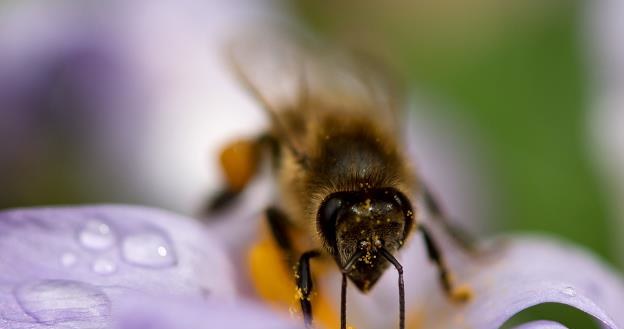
(569, 291)
(151, 249)
(97, 235)
(68, 259)
(103, 266)
(55, 302)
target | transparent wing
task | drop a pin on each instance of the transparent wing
(287, 74)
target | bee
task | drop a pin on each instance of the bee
(343, 177)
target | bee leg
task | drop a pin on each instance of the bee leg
(239, 161)
(455, 293)
(458, 234)
(304, 285)
(221, 200)
(278, 225)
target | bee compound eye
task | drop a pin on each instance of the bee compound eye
(327, 219)
(398, 199)
(402, 202)
(329, 210)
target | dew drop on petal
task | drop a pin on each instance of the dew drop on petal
(54, 302)
(569, 291)
(68, 259)
(151, 249)
(162, 251)
(97, 235)
(103, 266)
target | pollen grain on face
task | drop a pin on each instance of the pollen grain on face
(298, 293)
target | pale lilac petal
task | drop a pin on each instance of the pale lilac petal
(529, 272)
(183, 314)
(71, 266)
(541, 325)
(533, 270)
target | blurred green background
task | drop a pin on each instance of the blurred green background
(518, 71)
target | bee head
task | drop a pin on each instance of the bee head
(357, 224)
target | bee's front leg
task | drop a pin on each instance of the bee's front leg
(459, 235)
(455, 293)
(278, 225)
(304, 285)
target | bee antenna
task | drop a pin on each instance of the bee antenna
(343, 291)
(343, 302)
(387, 255)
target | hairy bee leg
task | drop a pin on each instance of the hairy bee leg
(220, 200)
(459, 235)
(239, 163)
(305, 286)
(458, 294)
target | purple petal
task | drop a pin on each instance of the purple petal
(179, 314)
(541, 325)
(530, 271)
(70, 266)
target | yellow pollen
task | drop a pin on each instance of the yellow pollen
(298, 293)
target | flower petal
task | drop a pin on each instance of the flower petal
(70, 266)
(532, 271)
(541, 325)
(528, 271)
(188, 313)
